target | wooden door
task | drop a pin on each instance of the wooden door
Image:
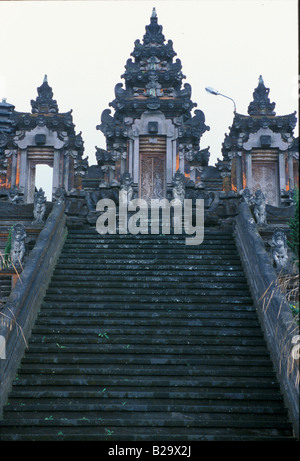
(152, 167)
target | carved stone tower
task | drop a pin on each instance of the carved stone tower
(152, 133)
(44, 136)
(260, 151)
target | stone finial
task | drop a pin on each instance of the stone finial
(17, 252)
(39, 208)
(259, 201)
(279, 249)
(44, 103)
(261, 104)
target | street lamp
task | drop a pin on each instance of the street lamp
(216, 93)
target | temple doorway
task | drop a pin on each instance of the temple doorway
(152, 167)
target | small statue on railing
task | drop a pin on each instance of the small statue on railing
(39, 208)
(279, 249)
(59, 195)
(126, 190)
(13, 195)
(247, 196)
(178, 190)
(259, 202)
(17, 252)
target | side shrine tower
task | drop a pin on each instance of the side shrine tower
(44, 136)
(260, 151)
(152, 133)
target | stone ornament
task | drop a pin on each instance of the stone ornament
(17, 245)
(261, 104)
(279, 249)
(246, 195)
(13, 195)
(259, 202)
(39, 208)
(59, 195)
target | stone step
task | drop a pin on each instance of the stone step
(161, 323)
(209, 233)
(92, 286)
(147, 404)
(125, 306)
(155, 276)
(145, 350)
(40, 387)
(133, 370)
(151, 245)
(121, 257)
(148, 265)
(145, 267)
(60, 357)
(132, 250)
(109, 435)
(201, 296)
(60, 312)
(252, 331)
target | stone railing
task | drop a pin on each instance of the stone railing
(279, 327)
(20, 310)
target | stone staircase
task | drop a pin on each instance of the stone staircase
(143, 338)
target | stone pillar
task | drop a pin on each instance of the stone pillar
(130, 157)
(239, 172)
(14, 169)
(169, 159)
(291, 171)
(181, 160)
(281, 163)
(66, 173)
(122, 166)
(56, 183)
(23, 170)
(249, 170)
(174, 157)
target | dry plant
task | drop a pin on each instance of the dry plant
(288, 286)
(8, 263)
(6, 319)
(9, 321)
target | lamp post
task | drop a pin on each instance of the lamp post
(216, 93)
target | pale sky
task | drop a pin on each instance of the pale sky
(83, 47)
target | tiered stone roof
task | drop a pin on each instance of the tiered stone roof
(153, 81)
